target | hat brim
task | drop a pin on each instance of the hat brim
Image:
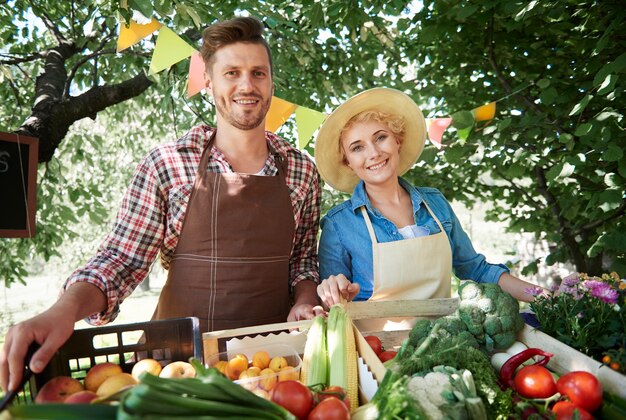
(328, 157)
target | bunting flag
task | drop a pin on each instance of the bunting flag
(169, 50)
(279, 112)
(195, 81)
(436, 128)
(485, 112)
(135, 32)
(307, 121)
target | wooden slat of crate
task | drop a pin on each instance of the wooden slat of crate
(402, 308)
(567, 359)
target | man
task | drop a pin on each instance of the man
(234, 212)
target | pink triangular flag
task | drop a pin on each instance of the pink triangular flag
(436, 129)
(195, 81)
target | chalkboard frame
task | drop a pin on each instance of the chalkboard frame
(31, 188)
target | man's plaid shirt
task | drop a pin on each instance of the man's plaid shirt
(152, 211)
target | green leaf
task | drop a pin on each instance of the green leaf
(613, 153)
(143, 6)
(608, 84)
(548, 95)
(610, 200)
(543, 83)
(583, 129)
(462, 119)
(580, 106)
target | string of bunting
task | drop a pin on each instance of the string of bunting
(170, 49)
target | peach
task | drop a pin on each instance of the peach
(115, 383)
(81, 397)
(178, 369)
(288, 373)
(268, 379)
(277, 363)
(146, 365)
(236, 365)
(261, 359)
(99, 373)
(57, 389)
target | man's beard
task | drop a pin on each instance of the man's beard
(249, 121)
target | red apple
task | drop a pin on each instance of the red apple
(57, 389)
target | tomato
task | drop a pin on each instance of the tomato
(375, 344)
(330, 409)
(535, 381)
(581, 388)
(564, 410)
(387, 355)
(293, 396)
(335, 391)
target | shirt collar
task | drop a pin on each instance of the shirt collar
(359, 196)
(198, 136)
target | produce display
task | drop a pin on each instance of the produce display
(465, 365)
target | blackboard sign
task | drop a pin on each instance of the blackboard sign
(18, 183)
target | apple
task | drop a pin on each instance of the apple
(178, 369)
(146, 365)
(99, 373)
(115, 383)
(81, 397)
(57, 389)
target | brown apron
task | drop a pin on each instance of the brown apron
(231, 265)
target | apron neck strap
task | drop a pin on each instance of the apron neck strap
(206, 154)
(370, 228)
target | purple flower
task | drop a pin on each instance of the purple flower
(533, 291)
(601, 291)
(570, 281)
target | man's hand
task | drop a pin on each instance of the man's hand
(304, 311)
(50, 329)
(336, 289)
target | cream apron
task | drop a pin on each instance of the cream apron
(414, 268)
(231, 264)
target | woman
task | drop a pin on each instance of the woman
(390, 240)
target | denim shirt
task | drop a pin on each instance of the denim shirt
(345, 246)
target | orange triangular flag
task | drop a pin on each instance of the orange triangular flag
(280, 111)
(135, 32)
(195, 81)
(485, 112)
(436, 128)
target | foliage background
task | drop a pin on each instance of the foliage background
(552, 163)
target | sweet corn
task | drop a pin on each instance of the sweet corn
(314, 368)
(342, 354)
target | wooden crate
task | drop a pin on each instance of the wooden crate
(566, 359)
(294, 334)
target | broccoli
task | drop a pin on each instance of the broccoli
(420, 331)
(490, 314)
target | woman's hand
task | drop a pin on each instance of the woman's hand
(335, 289)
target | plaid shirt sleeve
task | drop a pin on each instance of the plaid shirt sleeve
(303, 264)
(124, 258)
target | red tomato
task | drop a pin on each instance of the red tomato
(294, 396)
(375, 344)
(564, 410)
(535, 382)
(330, 409)
(581, 388)
(335, 392)
(387, 355)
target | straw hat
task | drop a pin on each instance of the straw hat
(327, 150)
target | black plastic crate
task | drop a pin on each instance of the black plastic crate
(165, 340)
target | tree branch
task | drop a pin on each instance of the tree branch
(26, 59)
(620, 211)
(79, 63)
(566, 232)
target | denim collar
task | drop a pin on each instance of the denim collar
(359, 197)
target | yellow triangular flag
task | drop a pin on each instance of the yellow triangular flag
(169, 50)
(307, 121)
(485, 112)
(280, 111)
(195, 81)
(130, 35)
